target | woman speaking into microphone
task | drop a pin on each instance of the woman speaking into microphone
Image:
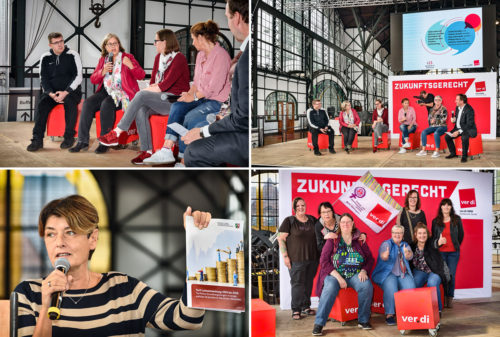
(94, 304)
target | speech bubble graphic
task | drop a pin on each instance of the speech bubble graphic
(434, 38)
(473, 21)
(459, 37)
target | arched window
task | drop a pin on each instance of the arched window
(280, 104)
(331, 96)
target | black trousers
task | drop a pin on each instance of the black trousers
(314, 137)
(217, 150)
(98, 101)
(301, 279)
(46, 104)
(465, 142)
(349, 134)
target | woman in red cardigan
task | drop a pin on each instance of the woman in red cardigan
(117, 82)
(349, 124)
(380, 122)
(170, 77)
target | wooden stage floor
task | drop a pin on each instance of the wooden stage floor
(295, 153)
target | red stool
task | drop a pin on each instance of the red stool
(323, 141)
(431, 145)
(158, 124)
(413, 139)
(56, 123)
(378, 299)
(386, 141)
(345, 307)
(475, 146)
(354, 143)
(417, 309)
(125, 137)
(263, 319)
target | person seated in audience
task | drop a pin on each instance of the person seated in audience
(349, 124)
(392, 271)
(317, 119)
(60, 77)
(345, 262)
(380, 122)
(210, 88)
(408, 123)
(117, 85)
(437, 126)
(170, 77)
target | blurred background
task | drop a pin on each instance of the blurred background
(141, 230)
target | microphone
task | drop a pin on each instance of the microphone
(54, 312)
(110, 59)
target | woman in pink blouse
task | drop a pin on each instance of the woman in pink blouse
(408, 120)
(211, 87)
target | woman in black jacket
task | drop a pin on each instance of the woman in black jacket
(447, 229)
(427, 264)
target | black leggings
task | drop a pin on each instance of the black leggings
(349, 134)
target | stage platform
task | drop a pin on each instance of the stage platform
(477, 317)
(296, 153)
(16, 136)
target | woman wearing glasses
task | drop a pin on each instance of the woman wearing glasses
(117, 80)
(170, 77)
(411, 215)
(392, 272)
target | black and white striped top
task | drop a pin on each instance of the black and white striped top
(119, 305)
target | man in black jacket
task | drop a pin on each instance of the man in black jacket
(465, 127)
(226, 140)
(61, 76)
(317, 119)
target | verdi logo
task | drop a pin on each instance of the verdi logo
(379, 215)
(467, 198)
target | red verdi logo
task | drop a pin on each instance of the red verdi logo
(467, 198)
(379, 215)
(480, 86)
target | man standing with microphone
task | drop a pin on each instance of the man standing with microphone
(465, 127)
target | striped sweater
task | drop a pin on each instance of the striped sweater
(119, 305)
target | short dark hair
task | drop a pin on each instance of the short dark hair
(209, 30)
(404, 99)
(325, 204)
(240, 6)
(315, 100)
(54, 35)
(423, 92)
(463, 98)
(295, 201)
(168, 36)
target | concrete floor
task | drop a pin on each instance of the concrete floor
(296, 153)
(15, 137)
(479, 317)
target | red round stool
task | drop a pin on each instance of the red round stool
(125, 137)
(56, 122)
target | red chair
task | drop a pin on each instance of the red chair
(386, 141)
(323, 141)
(158, 124)
(378, 299)
(431, 145)
(56, 123)
(354, 143)
(475, 146)
(413, 139)
(345, 307)
(125, 137)
(263, 319)
(417, 309)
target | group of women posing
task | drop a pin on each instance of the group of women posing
(412, 257)
(117, 73)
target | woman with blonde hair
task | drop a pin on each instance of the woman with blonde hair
(437, 126)
(349, 124)
(117, 85)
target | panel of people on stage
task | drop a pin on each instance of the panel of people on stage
(412, 257)
(214, 137)
(349, 122)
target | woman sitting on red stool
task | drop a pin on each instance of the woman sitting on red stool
(408, 120)
(380, 122)
(117, 80)
(349, 124)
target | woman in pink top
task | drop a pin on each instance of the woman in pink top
(210, 88)
(408, 120)
(349, 124)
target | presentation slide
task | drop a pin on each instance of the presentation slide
(443, 39)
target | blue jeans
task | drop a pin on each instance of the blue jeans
(195, 116)
(391, 285)
(329, 294)
(178, 112)
(451, 259)
(405, 131)
(438, 131)
(433, 280)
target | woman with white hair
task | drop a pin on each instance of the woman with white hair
(437, 126)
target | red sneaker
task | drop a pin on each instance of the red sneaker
(109, 139)
(140, 158)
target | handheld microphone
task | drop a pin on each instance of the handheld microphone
(54, 312)
(110, 59)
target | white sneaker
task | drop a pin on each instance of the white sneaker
(164, 156)
(435, 154)
(422, 153)
(179, 164)
(406, 145)
(402, 150)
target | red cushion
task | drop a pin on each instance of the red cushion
(56, 123)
